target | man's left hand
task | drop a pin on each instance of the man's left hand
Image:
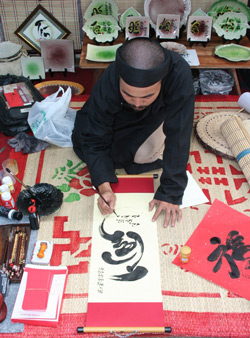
(172, 211)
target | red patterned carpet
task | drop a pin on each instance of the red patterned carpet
(193, 307)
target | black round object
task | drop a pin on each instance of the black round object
(49, 199)
(17, 215)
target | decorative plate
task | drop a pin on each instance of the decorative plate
(9, 49)
(221, 7)
(58, 55)
(50, 87)
(233, 52)
(33, 67)
(174, 46)
(102, 28)
(199, 28)
(199, 12)
(13, 58)
(137, 27)
(154, 7)
(167, 26)
(129, 12)
(104, 7)
(231, 25)
(101, 53)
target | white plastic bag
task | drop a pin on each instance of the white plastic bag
(52, 120)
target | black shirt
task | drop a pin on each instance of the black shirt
(108, 132)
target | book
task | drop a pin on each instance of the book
(17, 95)
(39, 298)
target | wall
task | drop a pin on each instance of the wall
(68, 12)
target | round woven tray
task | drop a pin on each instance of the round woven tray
(209, 135)
(50, 87)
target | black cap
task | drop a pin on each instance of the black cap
(141, 77)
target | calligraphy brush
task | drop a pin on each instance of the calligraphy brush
(25, 186)
(98, 192)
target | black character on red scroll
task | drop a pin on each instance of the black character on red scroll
(125, 251)
(233, 250)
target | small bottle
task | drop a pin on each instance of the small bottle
(34, 221)
(10, 213)
(7, 180)
(4, 188)
(8, 200)
(185, 254)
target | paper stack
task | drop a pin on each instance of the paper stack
(40, 294)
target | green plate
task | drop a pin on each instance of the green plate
(101, 53)
(221, 7)
(233, 52)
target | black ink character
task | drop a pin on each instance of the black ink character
(165, 25)
(41, 28)
(124, 253)
(96, 10)
(134, 27)
(237, 248)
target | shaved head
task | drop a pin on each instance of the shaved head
(142, 53)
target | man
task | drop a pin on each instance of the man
(143, 99)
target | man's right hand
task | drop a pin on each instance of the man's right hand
(107, 193)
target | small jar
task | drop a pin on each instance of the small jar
(185, 254)
(7, 180)
(4, 188)
(8, 200)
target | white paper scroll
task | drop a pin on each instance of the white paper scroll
(140, 259)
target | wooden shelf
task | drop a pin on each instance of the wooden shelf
(207, 58)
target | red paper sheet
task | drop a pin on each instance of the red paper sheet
(125, 315)
(37, 290)
(221, 249)
(14, 99)
(134, 184)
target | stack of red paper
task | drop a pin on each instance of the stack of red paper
(39, 298)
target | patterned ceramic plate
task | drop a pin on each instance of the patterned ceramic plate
(231, 25)
(101, 28)
(103, 7)
(221, 7)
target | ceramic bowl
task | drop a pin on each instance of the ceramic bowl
(174, 46)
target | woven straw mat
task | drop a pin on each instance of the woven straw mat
(70, 227)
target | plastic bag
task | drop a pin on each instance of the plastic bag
(52, 120)
(215, 82)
